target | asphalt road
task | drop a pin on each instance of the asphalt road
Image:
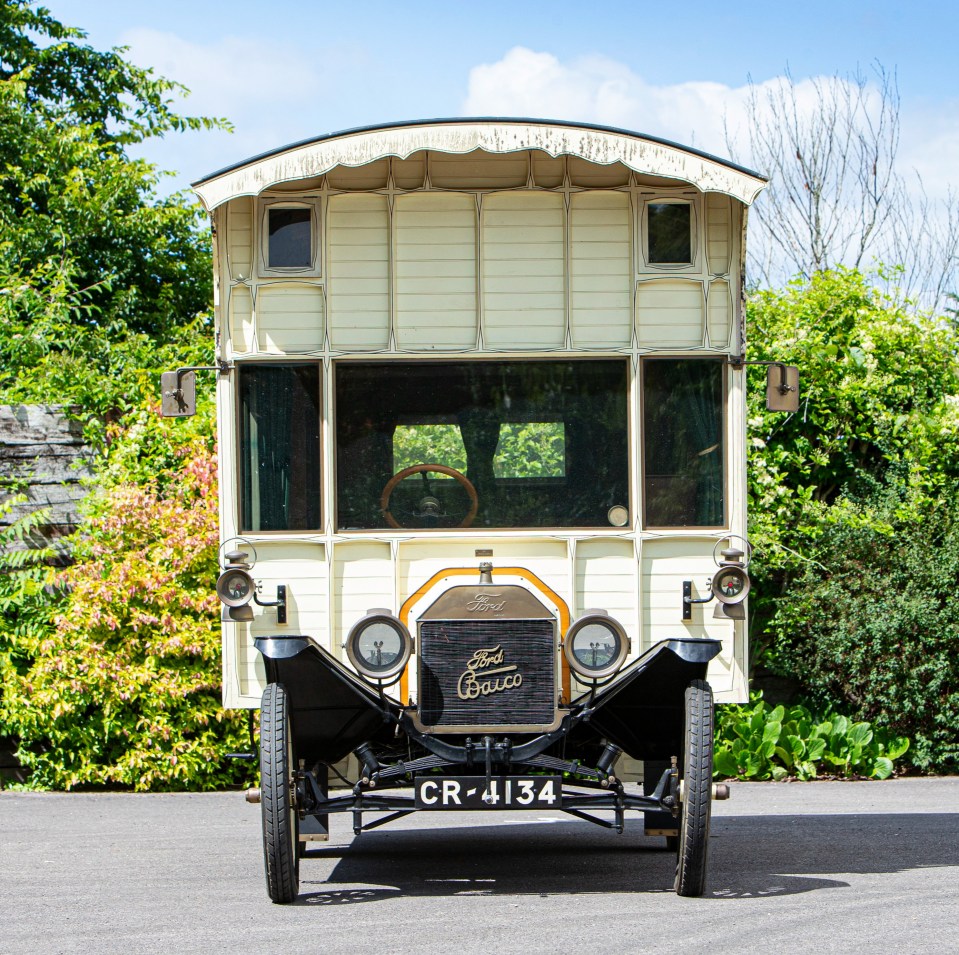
(811, 867)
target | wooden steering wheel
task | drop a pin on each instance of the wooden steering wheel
(423, 469)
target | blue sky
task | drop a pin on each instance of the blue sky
(285, 71)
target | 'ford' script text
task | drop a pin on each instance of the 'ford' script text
(486, 603)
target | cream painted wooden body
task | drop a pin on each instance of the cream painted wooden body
(466, 254)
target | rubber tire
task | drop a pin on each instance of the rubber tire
(280, 823)
(697, 791)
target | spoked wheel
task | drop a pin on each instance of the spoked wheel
(278, 797)
(697, 790)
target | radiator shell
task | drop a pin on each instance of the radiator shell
(487, 659)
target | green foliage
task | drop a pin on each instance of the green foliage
(851, 509)
(531, 449)
(124, 690)
(428, 444)
(97, 273)
(878, 393)
(86, 243)
(111, 667)
(27, 605)
(526, 449)
(872, 627)
(757, 741)
(82, 85)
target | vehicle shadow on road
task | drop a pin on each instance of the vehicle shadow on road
(751, 857)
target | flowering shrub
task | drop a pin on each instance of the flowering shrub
(125, 689)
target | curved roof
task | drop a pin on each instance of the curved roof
(600, 144)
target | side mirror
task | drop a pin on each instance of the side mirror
(782, 388)
(178, 391)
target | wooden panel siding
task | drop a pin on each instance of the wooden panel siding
(718, 233)
(606, 579)
(363, 578)
(524, 264)
(719, 314)
(241, 319)
(435, 271)
(239, 239)
(479, 170)
(599, 269)
(359, 257)
(670, 312)
(289, 318)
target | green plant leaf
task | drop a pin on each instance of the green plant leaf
(724, 763)
(771, 731)
(784, 756)
(896, 747)
(883, 768)
(860, 734)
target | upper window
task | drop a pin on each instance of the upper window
(481, 444)
(669, 233)
(683, 448)
(279, 446)
(291, 241)
(289, 237)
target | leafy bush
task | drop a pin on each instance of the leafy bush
(27, 605)
(125, 688)
(851, 509)
(758, 741)
(872, 627)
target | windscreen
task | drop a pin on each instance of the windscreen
(683, 450)
(491, 444)
(279, 446)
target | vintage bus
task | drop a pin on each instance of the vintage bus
(481, 417)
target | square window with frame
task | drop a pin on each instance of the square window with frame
(669, 233)
(289, 238)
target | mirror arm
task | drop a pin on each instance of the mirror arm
(737, 361)
(223, 367)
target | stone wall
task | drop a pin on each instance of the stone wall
(42, 454)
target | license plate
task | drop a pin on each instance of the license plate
(503, 792)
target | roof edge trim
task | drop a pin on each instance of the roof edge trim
(601, 144)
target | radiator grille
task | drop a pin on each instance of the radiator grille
(524, 648)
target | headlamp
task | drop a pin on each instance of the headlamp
(596, 645)
(379, 645)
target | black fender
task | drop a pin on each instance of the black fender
(332, 711)
(641, 710)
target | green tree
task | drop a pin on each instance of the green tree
(90, 255)
(102, 284)
(851, 499)
(878, 401)
(98, 89)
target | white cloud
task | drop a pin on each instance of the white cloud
(272, 92)
(600, 90)
(230, 75)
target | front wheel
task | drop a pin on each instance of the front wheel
(278, 797)
(697, 790)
